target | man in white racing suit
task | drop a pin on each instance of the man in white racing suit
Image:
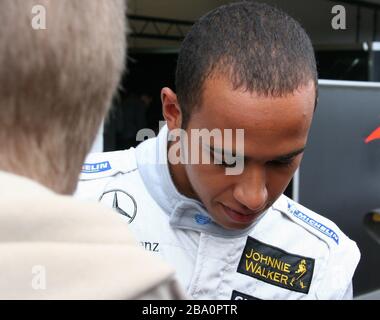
(232, 236)
(290, 252)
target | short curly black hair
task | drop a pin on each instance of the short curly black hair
(259, 47)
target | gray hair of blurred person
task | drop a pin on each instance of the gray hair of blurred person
(56, 84)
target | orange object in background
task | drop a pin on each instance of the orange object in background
(373, 136)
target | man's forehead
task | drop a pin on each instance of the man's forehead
(218, 92)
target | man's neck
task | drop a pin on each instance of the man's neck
(180, 179)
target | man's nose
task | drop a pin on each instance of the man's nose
(251, 190)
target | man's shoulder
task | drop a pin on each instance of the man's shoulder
(318, 231)
(316, 224)
(110, 172)
(108, 164)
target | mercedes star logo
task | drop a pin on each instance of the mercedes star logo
(121, 202)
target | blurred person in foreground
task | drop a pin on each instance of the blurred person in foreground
(56, 85)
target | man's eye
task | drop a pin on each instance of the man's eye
(282, 163)
(222, 162)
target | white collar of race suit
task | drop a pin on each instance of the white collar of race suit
(184, 213)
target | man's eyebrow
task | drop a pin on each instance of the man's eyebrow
(290, 155)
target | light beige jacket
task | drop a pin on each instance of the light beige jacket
(56, 247)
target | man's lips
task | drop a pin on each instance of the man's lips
(239, 216)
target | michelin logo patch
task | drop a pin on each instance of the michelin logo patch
(316, 225)
(276, 266)
(96, 167)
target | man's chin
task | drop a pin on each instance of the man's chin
(230, 225)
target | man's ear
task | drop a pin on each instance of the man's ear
(171, 109)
